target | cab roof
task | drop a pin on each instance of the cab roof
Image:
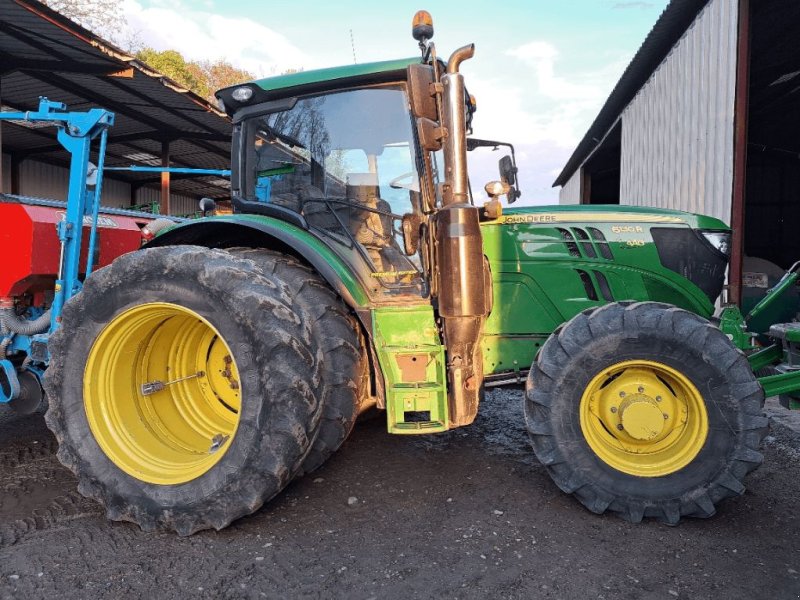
(311, 82)
(325, 76)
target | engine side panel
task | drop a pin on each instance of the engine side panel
(549, 264)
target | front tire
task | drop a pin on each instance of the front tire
(201, 394)
(645, 410)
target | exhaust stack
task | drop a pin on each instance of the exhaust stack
(463, 281)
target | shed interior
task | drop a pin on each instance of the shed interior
(772, 193)
(601, 172)
(157, 123)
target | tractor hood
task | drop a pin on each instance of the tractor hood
(593, 254)
(609, 213)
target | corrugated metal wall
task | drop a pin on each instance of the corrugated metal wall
(677, 133)
(571, 191)
(181, 205)
(5, 184)
(41, 180)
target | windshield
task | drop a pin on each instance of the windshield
(346, 161)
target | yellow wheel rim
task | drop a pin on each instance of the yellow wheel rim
(643, 418)
(161, 393)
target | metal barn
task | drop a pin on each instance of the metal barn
(158, 123)
(706, 118)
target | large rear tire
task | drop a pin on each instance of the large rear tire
(345, 367)
(645, 410)
(201, 392)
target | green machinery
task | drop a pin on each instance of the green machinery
(778, 362)
(192, 380)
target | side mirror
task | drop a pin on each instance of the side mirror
(421, 92)
(431, 134)
(207, 205)
(508, 174)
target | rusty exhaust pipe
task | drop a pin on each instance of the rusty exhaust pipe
(464, 291)
(459, 56)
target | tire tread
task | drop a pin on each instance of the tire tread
(613, 322)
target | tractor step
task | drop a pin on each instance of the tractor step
(413, 365)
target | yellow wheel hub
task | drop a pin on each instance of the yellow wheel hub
(162, 393)
(643, 418)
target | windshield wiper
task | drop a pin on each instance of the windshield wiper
(271, 135)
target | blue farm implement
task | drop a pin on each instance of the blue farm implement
(55, 246)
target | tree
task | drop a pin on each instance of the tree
(222, 74)
(202, 77)
(104, 17)
(172, 64)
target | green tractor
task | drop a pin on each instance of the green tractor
(192, 380)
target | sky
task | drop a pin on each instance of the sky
(541, 72)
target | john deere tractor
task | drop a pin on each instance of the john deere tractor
(192, 380)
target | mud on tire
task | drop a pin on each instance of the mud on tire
(594, 341)
(278, 363)
(345, 367)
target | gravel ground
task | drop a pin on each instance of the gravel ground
(468, 514)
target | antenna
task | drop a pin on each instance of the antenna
(353, 46)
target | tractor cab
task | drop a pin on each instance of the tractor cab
(345, 162)
(335, 152)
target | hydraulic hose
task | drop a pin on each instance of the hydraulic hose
(7, 338)
(12, 322)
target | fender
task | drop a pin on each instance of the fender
(260, 231)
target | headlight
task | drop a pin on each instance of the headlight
(721, 240)
(242, 94)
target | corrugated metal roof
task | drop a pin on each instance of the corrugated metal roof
(46, 54)
(669, 28)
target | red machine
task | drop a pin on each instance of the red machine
(29, 242)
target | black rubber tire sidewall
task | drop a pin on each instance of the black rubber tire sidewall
(719, 407)
(345, 368)
(612, 334)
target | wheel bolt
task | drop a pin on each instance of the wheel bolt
(622, 394)
(620, 427)
(641, 389)
(666, 416)
(613, 409)
(658, 398)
